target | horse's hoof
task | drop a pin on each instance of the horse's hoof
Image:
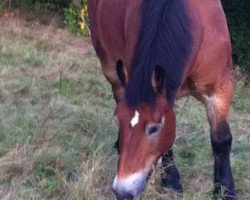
(172, 180)
(226, 196)
(173, 184)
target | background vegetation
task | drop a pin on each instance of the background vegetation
(238, 15)
(76, 21)
(57, 130)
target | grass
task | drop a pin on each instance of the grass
(57, 132)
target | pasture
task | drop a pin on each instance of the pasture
(57, 130)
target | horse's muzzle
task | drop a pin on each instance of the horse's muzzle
(129, 187)
(123, 196)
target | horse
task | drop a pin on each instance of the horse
(153, 52)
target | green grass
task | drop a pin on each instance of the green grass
(57, 132)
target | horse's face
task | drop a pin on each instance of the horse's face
(145, 134)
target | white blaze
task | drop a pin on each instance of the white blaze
(135, 119)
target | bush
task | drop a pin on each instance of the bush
(38, 5)
(75, 11)
(50, 4)
(238, 16)
(76, 18)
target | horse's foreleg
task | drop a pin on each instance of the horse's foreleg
(171, 177)
(217, 106)
(112, 72)
(221, 139)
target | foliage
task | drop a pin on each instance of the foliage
(75, 11)
(38, 5)
(84, 23)
(238, 15)
(76, 18)
(50, 4)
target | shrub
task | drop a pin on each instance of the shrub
(75, 11)
(76, 18)
(238, 16)
(38, 4)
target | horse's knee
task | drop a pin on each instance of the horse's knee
(218, 105)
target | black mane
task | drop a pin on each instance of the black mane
(164, 40)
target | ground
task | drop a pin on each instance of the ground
(57, 130)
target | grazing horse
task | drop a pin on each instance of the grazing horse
(154, 52)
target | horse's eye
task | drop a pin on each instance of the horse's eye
(153, 129)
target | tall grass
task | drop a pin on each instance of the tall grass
(57, 132)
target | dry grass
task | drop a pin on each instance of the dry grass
(57, 132)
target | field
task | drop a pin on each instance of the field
(57, 130)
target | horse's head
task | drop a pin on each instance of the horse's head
(145, 133)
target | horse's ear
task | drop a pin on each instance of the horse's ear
(120, 70)
(159, 80)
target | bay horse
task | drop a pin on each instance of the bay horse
(154, 52)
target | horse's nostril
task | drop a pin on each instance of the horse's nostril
(129, 197)
(125, 197)
(130, 187)
(121, 195)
